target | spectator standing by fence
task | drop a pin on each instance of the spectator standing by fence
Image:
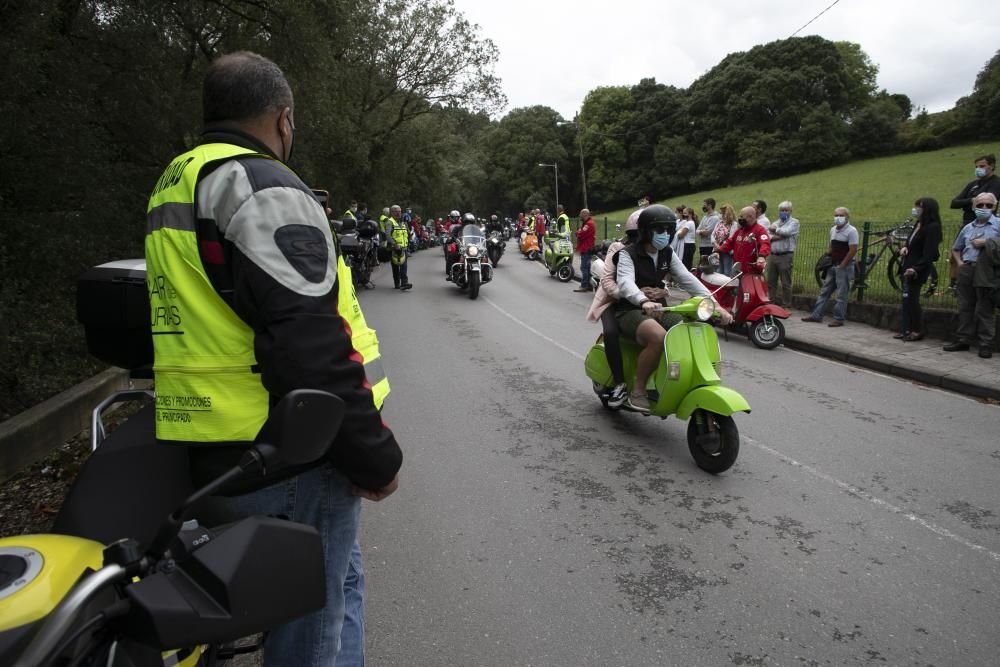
(986, 181)
(784, 236)
(707, 226)
(585, 246)
(919, 255)
(843, 248)
(684, 240)
(976, 321)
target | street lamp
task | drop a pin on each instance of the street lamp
(579, 144)
(556, 167)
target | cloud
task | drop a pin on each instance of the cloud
(553, 52)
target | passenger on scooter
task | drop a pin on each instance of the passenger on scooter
(751, 242)
(605, 296)
(641, 270)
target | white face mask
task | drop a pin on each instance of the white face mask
(839, 220)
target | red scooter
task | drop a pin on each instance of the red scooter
(745, 296)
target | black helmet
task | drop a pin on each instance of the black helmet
(655, 216)
(468, 219)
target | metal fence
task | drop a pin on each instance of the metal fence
(877, 280)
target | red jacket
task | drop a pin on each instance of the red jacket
(748, 244)
(540, 226)
(585, 236)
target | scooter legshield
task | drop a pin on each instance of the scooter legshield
(715, 398)
(596, 364)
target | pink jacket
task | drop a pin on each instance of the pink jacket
(607, 291)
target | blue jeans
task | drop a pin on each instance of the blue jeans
(585, 259)
(321, 498)
(726, 263)
(839, 280)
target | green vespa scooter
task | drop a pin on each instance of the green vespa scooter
(687, 384)
(558, 256)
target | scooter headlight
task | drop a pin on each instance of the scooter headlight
(472, 250)
(706, 308)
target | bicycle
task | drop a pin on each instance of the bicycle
(889, 241)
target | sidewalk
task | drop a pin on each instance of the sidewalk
(924, 361)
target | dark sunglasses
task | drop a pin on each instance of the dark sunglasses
(986, 206)
(659, 229)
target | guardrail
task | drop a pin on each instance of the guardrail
(31, 435)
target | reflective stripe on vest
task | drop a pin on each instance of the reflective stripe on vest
(206, 390)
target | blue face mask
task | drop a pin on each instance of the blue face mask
(915, 213)
(661, 241)
(784, 216)
(980, 172)
(983, 213)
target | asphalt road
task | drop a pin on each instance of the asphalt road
(861, 523)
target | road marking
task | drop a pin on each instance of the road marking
(850, 489)
(534, 330)
(875, 500)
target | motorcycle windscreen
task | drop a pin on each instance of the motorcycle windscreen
(473, 235)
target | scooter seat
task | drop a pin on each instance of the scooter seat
(717, 279)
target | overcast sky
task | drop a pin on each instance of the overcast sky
(553, 52)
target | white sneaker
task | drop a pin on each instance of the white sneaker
(618, 396)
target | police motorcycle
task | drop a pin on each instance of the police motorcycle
(686, 383)
(129, 577)
(473, 267)
(356, 240)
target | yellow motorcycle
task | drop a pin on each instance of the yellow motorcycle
(129, 577)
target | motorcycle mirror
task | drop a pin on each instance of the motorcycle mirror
(300, 428)
(348, 224)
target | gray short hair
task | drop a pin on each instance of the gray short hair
(785, 204)
(242, 86)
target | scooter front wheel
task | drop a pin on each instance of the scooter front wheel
(714, 441)
(767, 332)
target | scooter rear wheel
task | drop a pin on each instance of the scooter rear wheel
(767, 332)
(565, 273)
(532, 255)
(714, 441)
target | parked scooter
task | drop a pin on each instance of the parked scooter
(558, 257)
(473, 267)
(745, 296)
(686, 382)
(166, 590)
(529, 244)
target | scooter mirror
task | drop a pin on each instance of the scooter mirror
(348, 224)
(300, 428)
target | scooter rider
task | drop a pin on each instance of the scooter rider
(751, 242)
(602, 308)
(641, 269)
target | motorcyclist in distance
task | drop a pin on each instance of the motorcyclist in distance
(494, 224)
(641, 269)
(453, 246)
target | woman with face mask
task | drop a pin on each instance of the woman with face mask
(919, 254)
(723, 230)
(684, 239)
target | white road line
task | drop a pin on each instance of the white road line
(534, 330)
(850, 489)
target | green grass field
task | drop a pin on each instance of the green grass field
(881, 191)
